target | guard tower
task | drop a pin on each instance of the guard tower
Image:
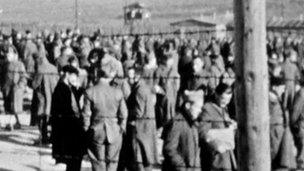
(135, 15)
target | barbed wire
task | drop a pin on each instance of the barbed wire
(177, 32)
(222, 76)
(120, 77)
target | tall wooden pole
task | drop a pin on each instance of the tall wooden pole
(252, 85)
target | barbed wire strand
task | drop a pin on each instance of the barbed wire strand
(177, 32)
(151, 77)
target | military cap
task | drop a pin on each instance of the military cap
(70, 69)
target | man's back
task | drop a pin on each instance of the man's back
(106, 107)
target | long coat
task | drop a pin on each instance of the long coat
(14, 82)
(44, 82)
(281, 140)
(67, 136)
(214, 117)
(169, 80)
(181, 145)
(297, 124)
(142, 135)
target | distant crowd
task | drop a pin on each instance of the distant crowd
(112, 98)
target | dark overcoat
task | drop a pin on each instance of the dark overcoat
(169, 81)
(181, 145)
(67, 136)
(214, 117)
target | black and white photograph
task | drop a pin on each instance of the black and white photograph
(151, 85)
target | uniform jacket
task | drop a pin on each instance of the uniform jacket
(105, 109)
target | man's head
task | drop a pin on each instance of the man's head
(193, 103)
(10, 54)
(134, 75)
(197, 64)
(277, 85)
(28, 35)
(223, 94)
(18, 36)
(95, 55)
(67, 51)
(70, 75)
(108, 68)
(168, 60)
(73, 61)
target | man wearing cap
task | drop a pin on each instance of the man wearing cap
(67, 136)
(181, 142)
(105, 113)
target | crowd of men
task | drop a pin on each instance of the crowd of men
(112, 98)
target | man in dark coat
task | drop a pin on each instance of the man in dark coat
(44, 82)
(140, 141)
(67, 134)
(105, 114)
(167, 83)
(217, 153)
(181, 141)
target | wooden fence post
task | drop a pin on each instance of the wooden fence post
(252, 85)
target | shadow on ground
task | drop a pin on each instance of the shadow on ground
(2, 169)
